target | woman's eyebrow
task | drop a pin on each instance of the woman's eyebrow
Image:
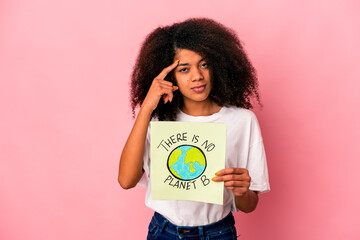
(186, 64)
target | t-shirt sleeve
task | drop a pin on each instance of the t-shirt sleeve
(256, 162)
(258, 171)
(145, 179)
(257, 168)
(254, 159)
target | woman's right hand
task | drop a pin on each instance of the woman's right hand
(160, 88)
(131, 160)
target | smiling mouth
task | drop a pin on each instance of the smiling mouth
(199, 89)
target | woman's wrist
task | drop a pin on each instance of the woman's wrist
(247, 202)
(145, 110)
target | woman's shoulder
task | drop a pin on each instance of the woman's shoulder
(238, 112)
(241, 118)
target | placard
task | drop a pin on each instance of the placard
(184, 158)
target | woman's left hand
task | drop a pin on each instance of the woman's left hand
(235, 179)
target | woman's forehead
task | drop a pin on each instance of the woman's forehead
(187, 55)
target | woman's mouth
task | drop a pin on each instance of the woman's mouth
(199, 89)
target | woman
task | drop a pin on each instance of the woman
(210, 80)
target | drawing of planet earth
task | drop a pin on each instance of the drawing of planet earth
(186, 162)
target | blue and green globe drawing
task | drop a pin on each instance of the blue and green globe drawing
(186, 162)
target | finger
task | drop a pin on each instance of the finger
(164, 82)
(168, 85)
(232, 177)
(237, 189)
(165, 89)
(167, 94)
(161, 88)
(168, 69)
(237, 184)
(232, 171)
(167, 98)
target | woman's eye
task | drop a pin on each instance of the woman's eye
(183, 70)
(204, 65)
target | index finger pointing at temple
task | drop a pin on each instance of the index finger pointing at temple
(166, 70)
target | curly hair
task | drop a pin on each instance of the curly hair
(233, 78)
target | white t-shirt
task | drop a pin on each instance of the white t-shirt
(244, 149)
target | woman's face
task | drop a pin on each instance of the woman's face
(192, 76)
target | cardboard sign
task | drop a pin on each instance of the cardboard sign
(184, 158)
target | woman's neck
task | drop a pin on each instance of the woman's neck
(205, 108)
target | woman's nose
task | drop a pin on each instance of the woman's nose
(197, 75)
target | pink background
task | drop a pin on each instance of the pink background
(64, 71)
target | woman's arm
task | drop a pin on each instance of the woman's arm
(131, 160)
(247, 202)
(238, 181)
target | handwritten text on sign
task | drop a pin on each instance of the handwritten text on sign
(184, 156)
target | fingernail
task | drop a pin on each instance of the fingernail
(218, 173)
(176, 61)
(176, 88)
(214, 179)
